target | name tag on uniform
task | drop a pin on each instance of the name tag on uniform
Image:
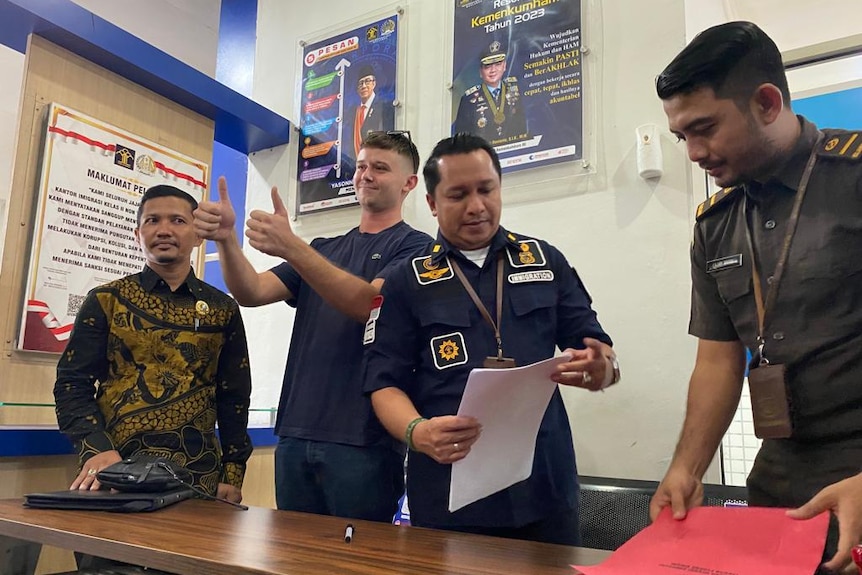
(724, 263)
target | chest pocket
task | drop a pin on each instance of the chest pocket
(733, 285)
(539, 298)
(444, 312)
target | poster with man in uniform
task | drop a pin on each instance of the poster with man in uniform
(516, 78)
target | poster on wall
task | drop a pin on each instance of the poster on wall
(348, 89)
(93, 175)
(516, 78)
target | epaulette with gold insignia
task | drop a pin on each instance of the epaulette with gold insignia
(847, 145)
(472, 89)
(714, 200)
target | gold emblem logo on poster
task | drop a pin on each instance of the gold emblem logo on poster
(145, 165)
(124, 157)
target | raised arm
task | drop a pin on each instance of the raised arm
(272, 234)
(215, 221)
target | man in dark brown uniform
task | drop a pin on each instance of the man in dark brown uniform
(799, 313)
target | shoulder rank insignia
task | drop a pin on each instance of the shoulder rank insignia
(714, 200)
(428, 271)
(526, 253)
(846, 145)
(471, 89)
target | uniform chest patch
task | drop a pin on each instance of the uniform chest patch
(536, 276)
(428, 272)
(530, 255)
(449, 350)
(734, 261)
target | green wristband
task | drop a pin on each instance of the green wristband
(408, 434)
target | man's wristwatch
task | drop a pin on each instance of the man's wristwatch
(615, 365)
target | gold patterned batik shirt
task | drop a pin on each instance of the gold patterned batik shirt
(150, 371)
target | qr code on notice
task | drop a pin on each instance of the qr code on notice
(74, 304)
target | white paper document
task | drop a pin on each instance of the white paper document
(510, 405)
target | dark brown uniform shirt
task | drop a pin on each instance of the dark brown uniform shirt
(816, 325)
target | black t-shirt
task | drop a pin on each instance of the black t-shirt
(322, 396)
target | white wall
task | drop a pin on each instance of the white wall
(790, 23)
(185, 29)
(628, 238)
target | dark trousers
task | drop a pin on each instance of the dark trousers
(788, 473)
(336, 479)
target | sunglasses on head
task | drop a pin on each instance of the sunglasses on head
(402, 133)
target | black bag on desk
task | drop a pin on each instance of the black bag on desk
(144, 474)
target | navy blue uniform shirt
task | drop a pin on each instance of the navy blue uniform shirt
(322, 398)
(430, 334)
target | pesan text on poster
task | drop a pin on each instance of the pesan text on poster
(348, 90)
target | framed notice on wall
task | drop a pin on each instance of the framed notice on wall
(516, 78)
(93, 175)
(348, 89)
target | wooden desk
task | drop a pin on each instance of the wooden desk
(195, 537)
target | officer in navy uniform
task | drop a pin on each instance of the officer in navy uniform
(493, 109)
(429, 333)
(792, 193)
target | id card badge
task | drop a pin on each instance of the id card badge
(770, 402)
(498, 362)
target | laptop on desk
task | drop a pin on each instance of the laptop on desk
(106, 501)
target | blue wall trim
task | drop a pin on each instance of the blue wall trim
(240, 123)
(25, 442)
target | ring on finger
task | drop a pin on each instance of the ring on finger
(455, 445)
(587, 378)
(91, 471)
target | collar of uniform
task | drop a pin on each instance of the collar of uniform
(150, 279)
(441, 247)
(790, 172)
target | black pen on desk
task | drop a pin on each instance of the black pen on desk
(348, 533)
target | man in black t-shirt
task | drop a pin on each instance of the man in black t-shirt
(333, 456)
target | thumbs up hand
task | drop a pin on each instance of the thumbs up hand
(271, 233)
(215, 220)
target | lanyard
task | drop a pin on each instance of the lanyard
(482, 309)
(772, 293)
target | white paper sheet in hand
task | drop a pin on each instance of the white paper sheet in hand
(510, 405)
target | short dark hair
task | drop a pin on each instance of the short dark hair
(164, 191)
(461, 143)
(399, 141)
(733, 59)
